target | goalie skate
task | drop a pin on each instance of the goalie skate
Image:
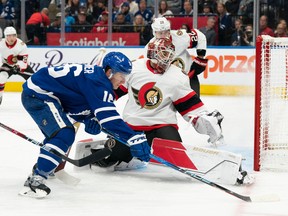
(34, 187)
(245, 178)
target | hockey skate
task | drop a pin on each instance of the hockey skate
(34, 187)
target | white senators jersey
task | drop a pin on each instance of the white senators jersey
(154, 99)
(15, 54)
(183, 41)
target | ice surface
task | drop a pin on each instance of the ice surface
(156, 190)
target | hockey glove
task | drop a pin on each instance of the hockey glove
(210, 124)
(92, 126)
(139, 147)
(15, 69)
(198, 66)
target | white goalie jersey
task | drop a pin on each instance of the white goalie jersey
(16, 54)
(155, 98)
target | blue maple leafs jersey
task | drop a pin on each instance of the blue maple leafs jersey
(84, 91)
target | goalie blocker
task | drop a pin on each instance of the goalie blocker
(215, 165)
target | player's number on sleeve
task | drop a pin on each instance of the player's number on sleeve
(61, 71)
(108, 97)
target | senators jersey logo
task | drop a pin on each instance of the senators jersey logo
(148, 96)
(11, 60)
(179, 63)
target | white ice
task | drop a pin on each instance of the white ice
(156, 190)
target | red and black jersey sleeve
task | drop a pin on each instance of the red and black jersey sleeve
(190, 102)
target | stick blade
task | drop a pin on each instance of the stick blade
(98, 155)
(67, 178)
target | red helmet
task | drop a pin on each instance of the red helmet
(162, 52)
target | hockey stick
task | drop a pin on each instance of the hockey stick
(9, 69)
(81, 162)
(261, 198)
(63, 163)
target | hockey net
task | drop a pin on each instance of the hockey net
(271, 104)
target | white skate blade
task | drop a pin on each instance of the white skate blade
(67, 178)
(27, 192)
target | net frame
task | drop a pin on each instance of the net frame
(271, 104)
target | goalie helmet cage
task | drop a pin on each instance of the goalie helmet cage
(271, 104)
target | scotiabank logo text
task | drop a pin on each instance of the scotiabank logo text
(96, 42)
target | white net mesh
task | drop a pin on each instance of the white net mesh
(274, 104)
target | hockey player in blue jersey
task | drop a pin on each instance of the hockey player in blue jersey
(84, 93)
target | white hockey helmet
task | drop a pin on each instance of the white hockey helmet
(10, 31)
(160, 24)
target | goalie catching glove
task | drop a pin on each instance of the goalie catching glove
(198, 66)
(210, 124)
(92, 126)
(139, 147)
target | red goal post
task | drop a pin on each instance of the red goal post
(271, 104)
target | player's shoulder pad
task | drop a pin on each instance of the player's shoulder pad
(176, 73)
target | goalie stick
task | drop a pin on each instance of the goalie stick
(81, 162)
(260, 198)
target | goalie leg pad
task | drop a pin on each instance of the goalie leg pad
(216, 165)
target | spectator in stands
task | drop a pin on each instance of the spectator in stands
(119, 25)
(102, 25)
(237, 38)
(118, 3)
(74, 7)
(263, 26)
(175, 5)
(100, 7)
(142, 28)
(187, 9)
(284, 23)
(212, 4)
(186, 27)
(146, 13)
(69, 20)
(55, 26)
(163, 9)
(8, 13)
(91, 5)
(81, 25)
(207, 10)
(232, 6)
(133, 6)
(281, 30)
(224, 26)
(245, 6)
(248, 35)
(36, 27)
(209, 31)
(125, 9)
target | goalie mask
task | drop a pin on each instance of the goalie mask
(161, 52)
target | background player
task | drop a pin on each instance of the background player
(182, 41)
(14, 56)
(84, 93)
